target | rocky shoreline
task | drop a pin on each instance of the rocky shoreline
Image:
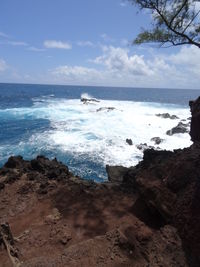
(147, 215)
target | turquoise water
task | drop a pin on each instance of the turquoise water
(50, 120)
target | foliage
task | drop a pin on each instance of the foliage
(175, 22)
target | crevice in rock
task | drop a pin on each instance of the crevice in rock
(151, 217)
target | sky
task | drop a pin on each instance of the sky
(78, 42)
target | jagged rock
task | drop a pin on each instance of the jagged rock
(105, 109)
(157, 140)
(129, 142)
(167, 116)
(14, 162)
(25, 189)
(144, 146)
(168, 184)
(195, 120)
(89, 100)
(52, 169)
(116, 173)
(180, 128)
(2, 185)
(166, 191)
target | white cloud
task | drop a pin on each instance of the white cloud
(188, 59)
(57, 44)
(85, 43)
(117, 66)
(107, 38)
(2, 34)
(123, 4)
(17, 43)
(36, 49)
(118, 59)
(3, 65)
(74, 74)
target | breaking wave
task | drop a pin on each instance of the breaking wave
(88, 136)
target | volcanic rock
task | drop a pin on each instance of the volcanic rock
(129, 141)
(105, 109)
(167, 116)
(89, 100)
(180, 128)
(157, 140)
(195, 120)
(116, 173)
(147, 215)
(144, 146)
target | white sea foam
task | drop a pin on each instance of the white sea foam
(80, 130)
(86, 95)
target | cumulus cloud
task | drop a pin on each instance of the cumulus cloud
(117, 66)
(57, 44)
(17, 43)
(123, 4)
(3, 65)
(75, 73)
(36, 49)
(85, 43)
(106, 37)
(117, 59)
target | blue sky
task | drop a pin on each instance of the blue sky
(87, 43)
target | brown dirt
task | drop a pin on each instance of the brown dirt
(72, 222)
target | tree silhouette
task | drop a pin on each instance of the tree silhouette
(175, 22)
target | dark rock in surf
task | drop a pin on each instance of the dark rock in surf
(180, 128)
(157, 140)
(129, 142)
(105, 109)
(144, 146)
(167, 116)
(89, 100)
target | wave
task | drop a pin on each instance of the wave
(79, 132)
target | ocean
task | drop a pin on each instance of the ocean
(51, 120)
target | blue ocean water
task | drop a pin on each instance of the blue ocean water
(50, 120)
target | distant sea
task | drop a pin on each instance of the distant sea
(51, 120)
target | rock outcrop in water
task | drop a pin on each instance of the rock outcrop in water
(89, 100)
(147, 215)
(108, 109)
(129, 141)
(167, 116)
(157, 140)
(180, 128)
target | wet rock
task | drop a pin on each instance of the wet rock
(157, 140)
(105, 109)
(129, 142)
(144, 146)
(167, 116)
(180, 128)
(89, 100)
